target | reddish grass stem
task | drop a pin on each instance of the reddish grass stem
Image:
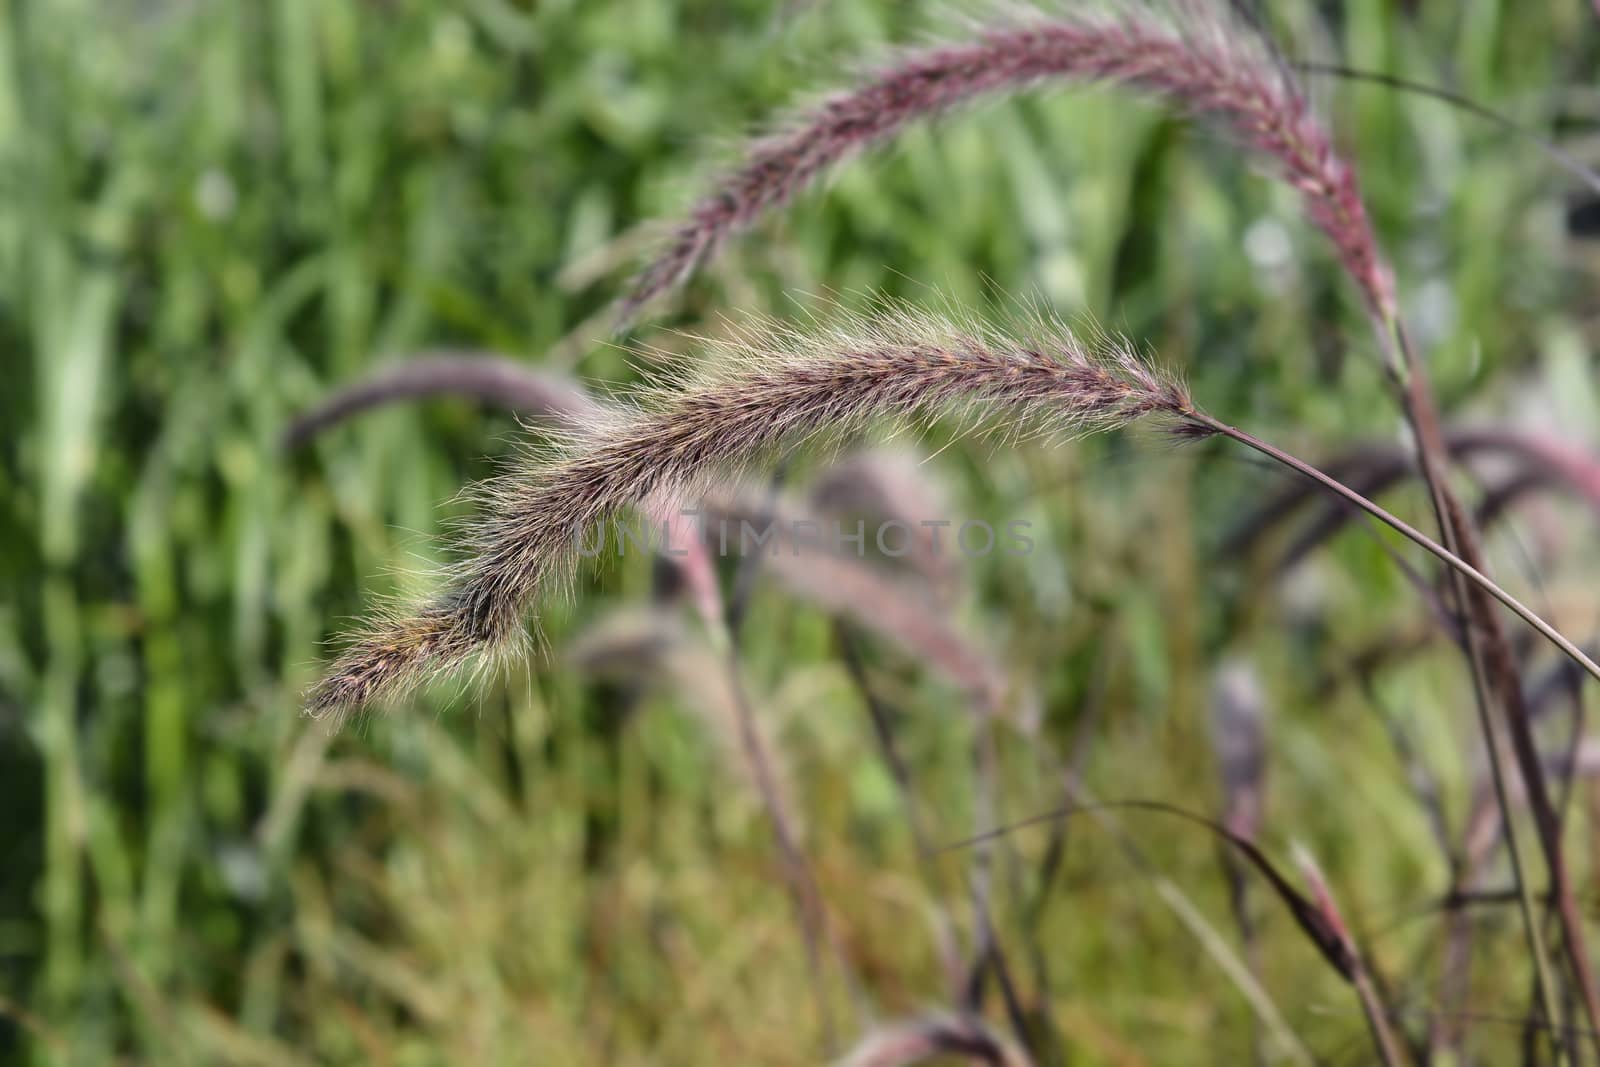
(1411, 533)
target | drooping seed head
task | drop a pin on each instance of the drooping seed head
(1193, 55)
(769, 391)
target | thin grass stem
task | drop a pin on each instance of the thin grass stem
(1411, 533)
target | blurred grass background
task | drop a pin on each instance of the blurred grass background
(216, 212)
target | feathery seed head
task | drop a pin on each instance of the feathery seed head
(769, 392)
(1193, 55)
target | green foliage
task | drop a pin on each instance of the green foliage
(214, 213)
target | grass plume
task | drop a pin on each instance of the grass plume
(772, 392)
(769, 393)
(1195, 56)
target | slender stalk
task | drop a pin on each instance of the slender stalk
(1406, 530)
(803, 890)
(1543, 972)
(1361, 976)
(1480, 684)
(900, 772)
(1377, 1018)
(1490, 655)
(1288, 1043)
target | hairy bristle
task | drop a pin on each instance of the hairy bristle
(1196, 57)
(774, 392)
